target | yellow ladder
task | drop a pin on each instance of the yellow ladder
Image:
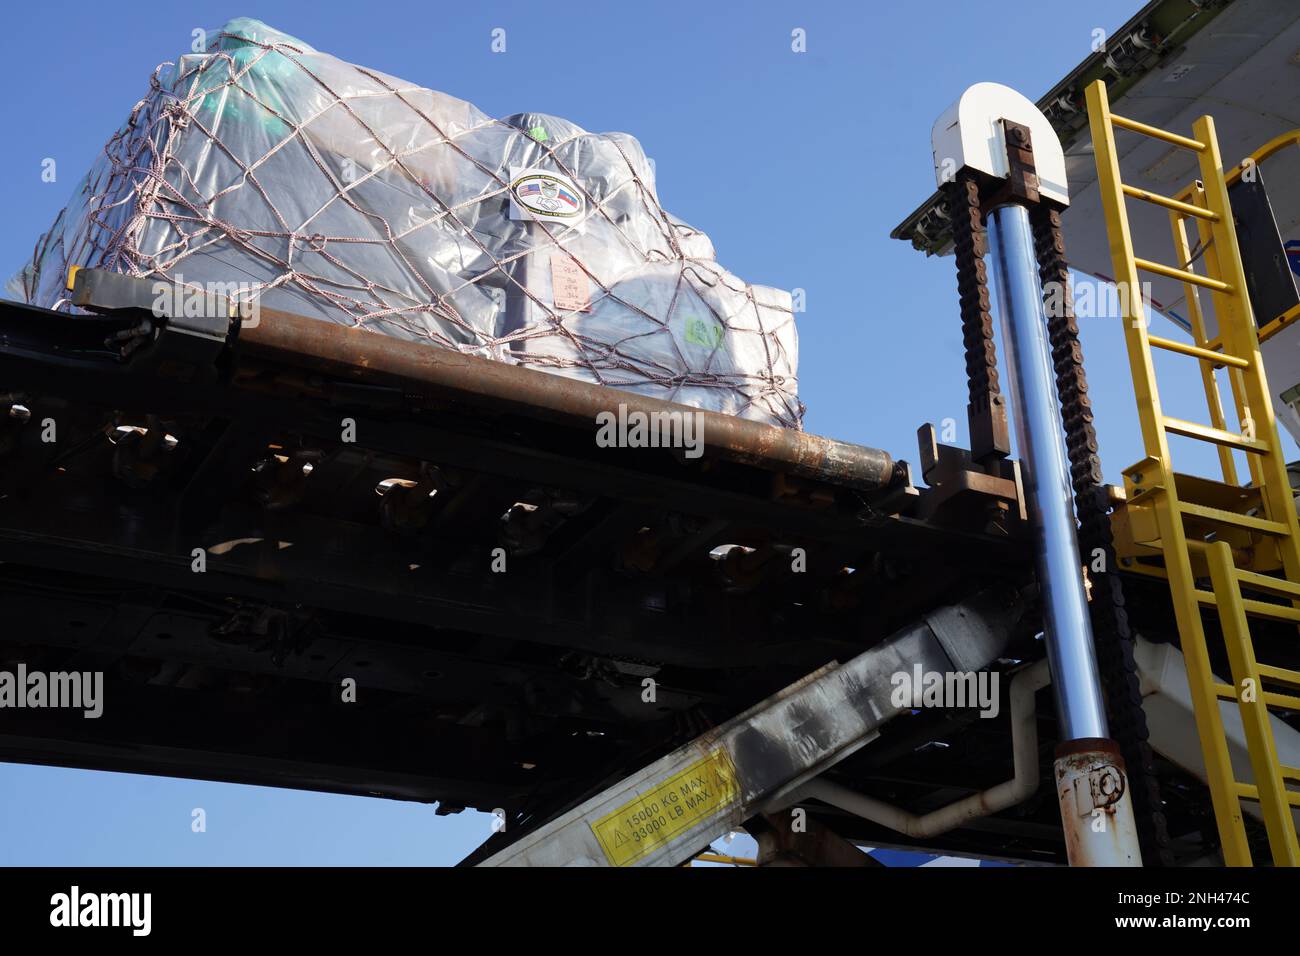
(1240, 537)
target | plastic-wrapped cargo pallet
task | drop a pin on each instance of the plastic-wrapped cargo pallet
(336, 191)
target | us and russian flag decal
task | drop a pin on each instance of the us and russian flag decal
(541, 194)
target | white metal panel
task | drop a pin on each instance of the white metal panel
(970, 133)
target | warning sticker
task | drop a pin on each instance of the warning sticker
(668, 809)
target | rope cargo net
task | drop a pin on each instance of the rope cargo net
(310, 185)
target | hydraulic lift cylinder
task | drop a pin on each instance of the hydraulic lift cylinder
(1003, 138)
(1091, 784)
(1041, 441)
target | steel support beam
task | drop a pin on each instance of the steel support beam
(667, 812)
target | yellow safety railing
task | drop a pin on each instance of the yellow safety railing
(1244, 538)
(1273, 324)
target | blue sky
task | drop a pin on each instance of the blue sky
(797, 165)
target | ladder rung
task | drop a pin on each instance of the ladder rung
(1248, 791)
(1216, 435)
(1145, 130)
(1279, 674)
(1265, 582)
(1182, 275)
(1278, 612)
(1232, 518)
(1205, 355)
(1270, 699)
(1285, 701)
(1178, 206)
(1292, 773)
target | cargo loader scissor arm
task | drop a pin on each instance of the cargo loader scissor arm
(668, 812)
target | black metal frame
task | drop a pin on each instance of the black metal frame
(520, 690)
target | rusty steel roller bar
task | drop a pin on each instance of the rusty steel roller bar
(367, 357)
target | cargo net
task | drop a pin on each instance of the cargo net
(270, 172)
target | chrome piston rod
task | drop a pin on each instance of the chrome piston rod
(1068, 632)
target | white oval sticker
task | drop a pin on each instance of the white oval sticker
(538, 194)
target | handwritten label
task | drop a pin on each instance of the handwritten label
(569, 287)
